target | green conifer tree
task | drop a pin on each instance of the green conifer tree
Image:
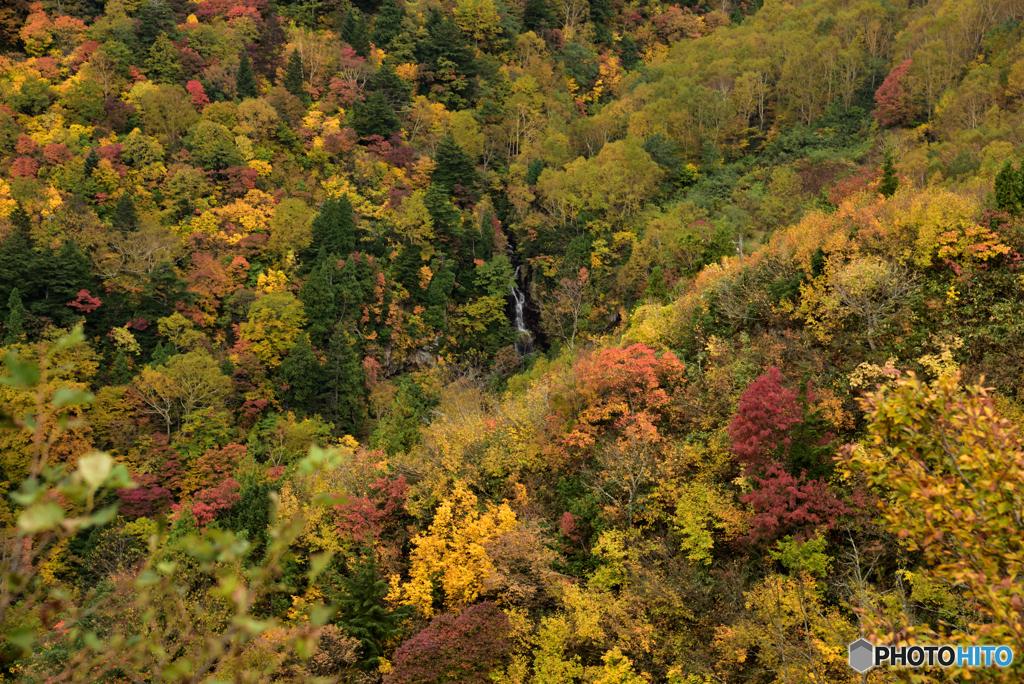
(352, 284)
(294, 83)
(484, 246)
(438, 293)
(163, 62)
(343, 401)
(19, 261)
(534, 170)
(387, 24)
(251, 515)
(61, 274)
(890, 181)
(363, 612)
(454, 170)
(15, 311)
(446, 216)
(375, 117)
(355, 32)
(630, 53)
(537, 15)
(656, 286)
(245, 79)
(120, 374)
(125, 218)
(154, 17)
(317, 297)
(302, 373)
(405, 269)
(446, 49)
(92, 160)
(396, 89)
(162, 353)
(334, 230)
(601, 15)
(1018, 191)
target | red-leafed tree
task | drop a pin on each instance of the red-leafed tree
(197, 94)
(894, 105)
(147, 499)
(784, 504)
(208, 503)
(365, 518)
(57, 153)
(767, 412)
(26, 145)
(463, 648)
(85, 302)
(216, 465)
(24, 167)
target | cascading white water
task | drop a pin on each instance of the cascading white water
(524, 339)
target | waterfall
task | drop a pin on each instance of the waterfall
(524, 339)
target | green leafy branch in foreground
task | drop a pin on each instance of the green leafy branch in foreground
(152, 631)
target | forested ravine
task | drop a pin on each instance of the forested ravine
(520, 342)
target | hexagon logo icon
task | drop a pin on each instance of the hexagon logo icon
(862, 655)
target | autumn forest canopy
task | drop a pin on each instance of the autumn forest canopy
(511, 341)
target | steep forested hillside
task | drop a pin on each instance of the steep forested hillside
(517, 341)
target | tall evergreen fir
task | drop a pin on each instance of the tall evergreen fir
(317, 297)
(302, 374)
(1005, 191)
(375, 117)
(601, 16)
(251, 515)
(446, 216)
(293, 80)
(405, 269)
(387, 24)
(438, 293)
(352, 284)
(61, 274)
(537, 15)
(630, 53)
(534, 170)
(245, 79)
(484, 246)
(15, 312)
(395, 88)
(890, 181)
(334, 231)
(355, 32)
(454, 169)
(162, 353)
(446, 49)
(92, 160)
(343, 401)
(19, 260)
(362, 611)
(120, 374)
(125, 218)
(153, 18)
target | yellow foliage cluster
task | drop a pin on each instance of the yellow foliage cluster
(791, 633)
(452, 554)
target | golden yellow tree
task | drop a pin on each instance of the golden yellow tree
(452, 554)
